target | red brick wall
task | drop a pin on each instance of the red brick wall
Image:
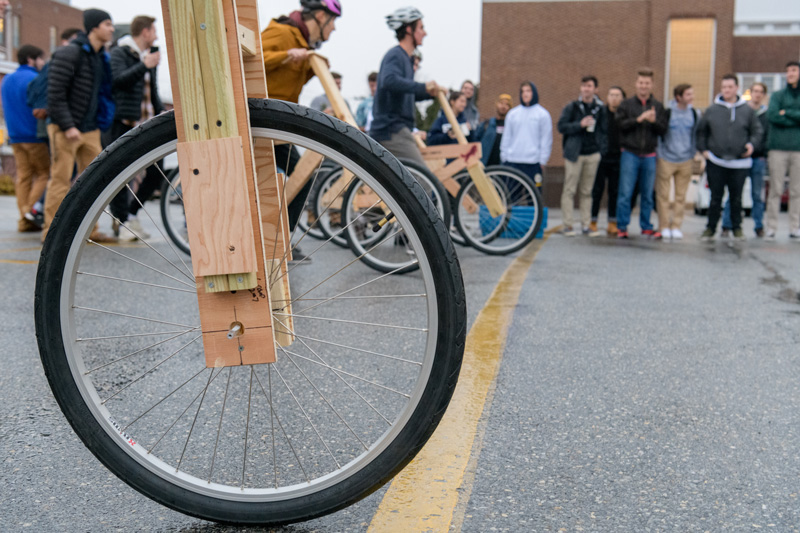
(764, 54)
(555, 43)
(36, 17)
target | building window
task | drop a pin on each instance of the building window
(691, 53)
(53, 39)
(15, 32)
(774, 82)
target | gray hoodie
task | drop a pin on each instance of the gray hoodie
(725, 130)
(678, 144)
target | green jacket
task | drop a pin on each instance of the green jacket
(784, 130)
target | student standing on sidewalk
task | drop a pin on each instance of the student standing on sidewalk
(784, 152)
(676, 150)
(528, 135)
(491, 131)
(641, 121)
(608, 169)
(727, 135)
(79, 105)
(757, 94)
(582, 124)
(30, 151)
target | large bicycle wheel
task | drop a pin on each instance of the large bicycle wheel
(374, 361)
(368, 223)
(307, 221)
(513, 229)
(326, 205)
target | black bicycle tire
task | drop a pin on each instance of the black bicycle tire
(166, 187)
(451, 316)
(522, 242)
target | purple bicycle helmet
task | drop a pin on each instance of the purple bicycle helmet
(332, 7)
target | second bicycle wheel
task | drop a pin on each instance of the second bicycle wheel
(511, 230)
(349, 402)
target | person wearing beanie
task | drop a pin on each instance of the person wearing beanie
(79, 104)
(528, 135)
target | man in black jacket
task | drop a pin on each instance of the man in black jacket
(78, 100)
(135, 89)
(641, 120)
(727, 135)
(582, 124)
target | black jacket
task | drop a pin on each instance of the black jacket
(725, 129)
(75, 77)
(569, 125)
(128, 85)
(640, 138)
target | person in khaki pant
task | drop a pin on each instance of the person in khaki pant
(30, 152)
(582, 123)
(784, 152)
(78, 79)
(676, 151)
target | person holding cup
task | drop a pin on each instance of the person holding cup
(582, 124)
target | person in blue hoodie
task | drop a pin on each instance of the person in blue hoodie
(30, 151)
(528, 135)
(441, 132)
(676, 150)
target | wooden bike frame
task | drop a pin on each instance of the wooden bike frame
(235, 210)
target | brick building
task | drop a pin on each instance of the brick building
(553, 43)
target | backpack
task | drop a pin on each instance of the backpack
(106, 107)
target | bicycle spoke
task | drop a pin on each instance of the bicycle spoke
(300, 406)
(104, 312)
(155, 334)
(272, 423)
(173, 354)
(392, 357)
(407, 328)
(158, 228)
(372, 297)
(194, 421)
(139, 263)
(219, 427)
(169, 183)
(188, 276)
(247, 427)
(337, 372)
(159, 343)
(162, 400)
(90, 274)
(324, 399)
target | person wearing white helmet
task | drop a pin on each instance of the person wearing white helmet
(393, 110)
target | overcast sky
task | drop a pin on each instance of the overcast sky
(451, 52)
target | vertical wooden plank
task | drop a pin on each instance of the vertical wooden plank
(254, 75)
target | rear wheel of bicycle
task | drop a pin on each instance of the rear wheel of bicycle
(373, 365)
(511, 230)
(307, 221)
(371, 230)
(326, 202)
(173, 215)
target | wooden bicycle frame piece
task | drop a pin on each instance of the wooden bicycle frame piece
(238, 243)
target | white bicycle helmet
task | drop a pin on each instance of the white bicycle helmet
(403, 17)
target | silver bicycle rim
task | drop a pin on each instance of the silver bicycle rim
(112, 417)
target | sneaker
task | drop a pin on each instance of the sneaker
(36, 218)
(726, 233)
(135, 226)
(738, 234)
(666, 233)
(795, 235)
(612, 230)
(760, 233)
(125, 235)
(568, 231)
(658, 236)
(648, 233)
(770, 236)
(676, 234)
(585, 231)
(622, 234)
(298, 256)
(708, 235)
(593, 231)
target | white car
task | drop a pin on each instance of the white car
(703, 195)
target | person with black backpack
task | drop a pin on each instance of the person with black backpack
(676, 151)
(79, 105)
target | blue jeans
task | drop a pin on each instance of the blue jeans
(635, 170)
(757, 184)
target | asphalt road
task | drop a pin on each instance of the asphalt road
(644, 387)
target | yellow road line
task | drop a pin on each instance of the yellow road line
(31, 249)
(425, 494)
(18, 262)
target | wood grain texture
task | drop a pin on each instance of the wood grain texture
(218, 211)
(340, 110)
(254, 74)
